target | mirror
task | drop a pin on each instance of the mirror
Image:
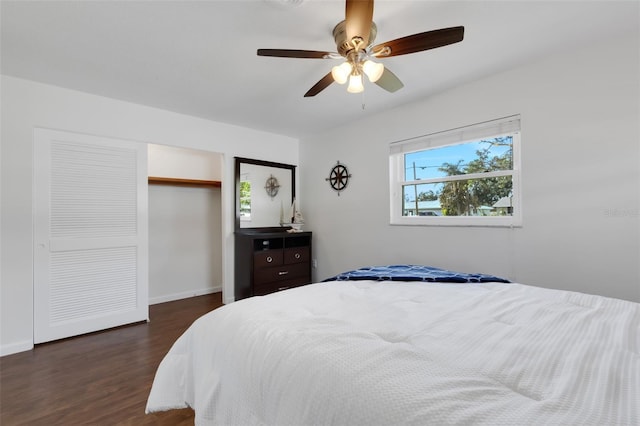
(264, 190)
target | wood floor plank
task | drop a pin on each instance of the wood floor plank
(101, 378)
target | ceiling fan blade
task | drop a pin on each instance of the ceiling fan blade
(320, 86)
(358, 18)
(419, 42)
(293, 53)
(389, 82)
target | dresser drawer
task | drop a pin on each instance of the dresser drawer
(296, 255)
(280, 273)
(261, 290)
(267, 258)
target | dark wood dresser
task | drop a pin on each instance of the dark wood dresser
(266, 262)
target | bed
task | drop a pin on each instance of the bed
(409, 347)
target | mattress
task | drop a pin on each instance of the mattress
(424, 353)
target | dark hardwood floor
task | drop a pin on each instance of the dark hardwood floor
(101, 378)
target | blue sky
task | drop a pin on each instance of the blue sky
(428, 162)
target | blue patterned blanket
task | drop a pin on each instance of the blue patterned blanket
(413, 273)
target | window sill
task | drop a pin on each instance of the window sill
(484, 222)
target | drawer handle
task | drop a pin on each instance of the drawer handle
(283, 272)
(269, 259)
(297, 255)
(282, 288)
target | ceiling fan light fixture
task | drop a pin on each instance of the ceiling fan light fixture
(341, 73)
(373, 70)
(354, 38)
(355, 84)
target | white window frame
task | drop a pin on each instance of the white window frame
(507, 126)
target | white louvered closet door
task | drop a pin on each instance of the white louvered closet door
(90, 234)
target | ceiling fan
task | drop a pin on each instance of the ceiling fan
(354, 40)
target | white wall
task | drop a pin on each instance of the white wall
(580, 178)
(185, 242)
(26, 105)
(173, 162)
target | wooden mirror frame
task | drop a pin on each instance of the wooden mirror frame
(239, 162)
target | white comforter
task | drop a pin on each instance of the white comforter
(392, 353)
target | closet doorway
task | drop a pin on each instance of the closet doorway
(185, 223)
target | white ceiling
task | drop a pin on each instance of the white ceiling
(199, 57)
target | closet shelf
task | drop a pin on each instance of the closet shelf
(184, 182)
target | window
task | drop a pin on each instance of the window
(245, 198)
(468, 176)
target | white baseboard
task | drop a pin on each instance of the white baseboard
(183, 295)
(13, 348)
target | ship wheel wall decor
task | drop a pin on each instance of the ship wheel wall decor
(338, 177)
(272, 186)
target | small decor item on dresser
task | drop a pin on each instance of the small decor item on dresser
(338, 177)
(294, 216)
(272, 186)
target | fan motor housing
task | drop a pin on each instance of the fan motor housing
(343, 45)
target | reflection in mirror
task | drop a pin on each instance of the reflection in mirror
(264, 191)
(245, 198)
